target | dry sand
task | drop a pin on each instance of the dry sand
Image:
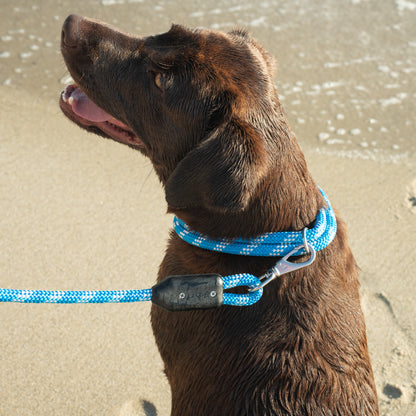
(79, 212)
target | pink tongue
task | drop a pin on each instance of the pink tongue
(87, 109)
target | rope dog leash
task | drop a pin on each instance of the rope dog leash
(178, 293)
(175, 293)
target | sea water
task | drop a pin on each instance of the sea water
(345, 68)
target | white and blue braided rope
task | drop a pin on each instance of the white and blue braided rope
(243, 279)
(268, 244)
(75, 296)
(126, 296)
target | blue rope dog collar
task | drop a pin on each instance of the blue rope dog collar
(268, 244)
(178, 293)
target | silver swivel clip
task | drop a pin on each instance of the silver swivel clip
(284, 266)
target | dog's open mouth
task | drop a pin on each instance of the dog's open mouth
(80, 109)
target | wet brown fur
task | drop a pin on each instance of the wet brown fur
(220, 143)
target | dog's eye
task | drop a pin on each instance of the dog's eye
(159, 80)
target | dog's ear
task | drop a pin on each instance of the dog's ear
(222, 173)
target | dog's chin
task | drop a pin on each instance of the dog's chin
(103, 124)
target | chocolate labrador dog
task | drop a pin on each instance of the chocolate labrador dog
(202, 106)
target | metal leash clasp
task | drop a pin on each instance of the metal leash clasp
(284, 266)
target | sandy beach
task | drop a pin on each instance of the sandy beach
(80, 212)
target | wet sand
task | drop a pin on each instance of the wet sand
(79, 212)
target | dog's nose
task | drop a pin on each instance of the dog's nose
(70, 31)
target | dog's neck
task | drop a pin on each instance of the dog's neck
(288, 200)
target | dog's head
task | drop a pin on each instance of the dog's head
(200, 104)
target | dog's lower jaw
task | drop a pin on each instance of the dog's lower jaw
(100, 122)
